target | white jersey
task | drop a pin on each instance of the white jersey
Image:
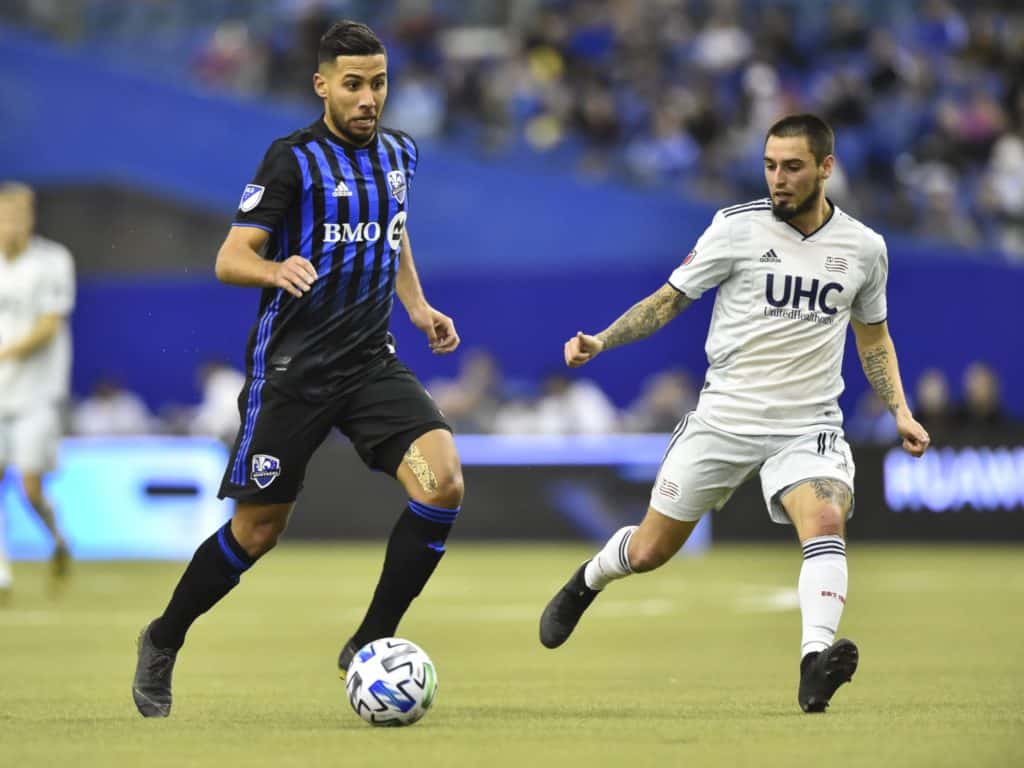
(778, 329)
(39, 281)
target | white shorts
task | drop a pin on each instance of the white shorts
(29, 440)
(703, 466)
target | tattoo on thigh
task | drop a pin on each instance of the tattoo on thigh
(833, 491)
(415, 461)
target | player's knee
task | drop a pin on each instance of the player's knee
(259, 537)
(449, 490)
(34, 494)
(825, 520)
(263, 539)
(646, 556)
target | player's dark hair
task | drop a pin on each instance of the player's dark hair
(819, 135)
(348, 38)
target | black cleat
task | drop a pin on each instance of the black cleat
(152, 686)
(60, 562)
(565, 609)
(821, 674)
(345, 658)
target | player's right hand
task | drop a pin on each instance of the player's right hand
(581, 349)
(295, 275)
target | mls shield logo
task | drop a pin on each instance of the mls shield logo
(396, 180)
(251, 196)
(689, 257)
(265, 469)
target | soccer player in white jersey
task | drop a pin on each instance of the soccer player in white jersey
(792, 270)
(37, 292)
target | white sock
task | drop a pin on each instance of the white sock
(612, 562)
(822, 588)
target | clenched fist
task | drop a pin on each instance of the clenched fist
(581, 349)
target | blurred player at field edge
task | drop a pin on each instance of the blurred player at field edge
(37, 293)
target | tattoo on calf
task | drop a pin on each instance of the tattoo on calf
(415, 460)
(832, 491)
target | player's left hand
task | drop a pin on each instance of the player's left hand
(440, 329)
(915, 437)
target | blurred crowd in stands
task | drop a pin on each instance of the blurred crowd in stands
(113, 409)
(480, 399)
(926, 96)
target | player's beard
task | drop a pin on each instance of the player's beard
(788, 212)
(341, 123)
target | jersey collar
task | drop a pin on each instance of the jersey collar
(825, 223)
(321, 130)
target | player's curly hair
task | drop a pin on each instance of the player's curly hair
(348, 38)
(819, 135)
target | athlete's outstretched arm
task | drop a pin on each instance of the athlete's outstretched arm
(239, 263)
(639, 321)
(440, 328)
(878, 358)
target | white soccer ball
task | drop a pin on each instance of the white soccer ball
(391, 682)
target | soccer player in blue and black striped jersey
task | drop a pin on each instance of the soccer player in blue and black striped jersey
(327, 209)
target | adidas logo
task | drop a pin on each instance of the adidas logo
(341, 190)
(770, 257)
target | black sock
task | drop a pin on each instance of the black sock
(415, 548)
(215, 569)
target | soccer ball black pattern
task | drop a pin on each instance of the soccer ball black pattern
(391, 681)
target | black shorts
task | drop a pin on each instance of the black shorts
(279, 433)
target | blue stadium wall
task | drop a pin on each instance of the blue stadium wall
(152, 334)
(522, 257)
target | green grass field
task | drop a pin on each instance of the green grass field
(693, 665)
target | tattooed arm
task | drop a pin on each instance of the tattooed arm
(639, 321)
(878, 358)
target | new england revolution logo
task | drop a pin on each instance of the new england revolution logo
(396, 181)
(251, 196)
(836, 264)
(265, 469)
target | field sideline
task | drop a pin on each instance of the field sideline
(693, 665)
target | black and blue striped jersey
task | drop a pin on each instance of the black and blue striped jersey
(344, 208)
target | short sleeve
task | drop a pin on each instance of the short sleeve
(273, 190)
(708, 264)
(869, 305)
(57, 287)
